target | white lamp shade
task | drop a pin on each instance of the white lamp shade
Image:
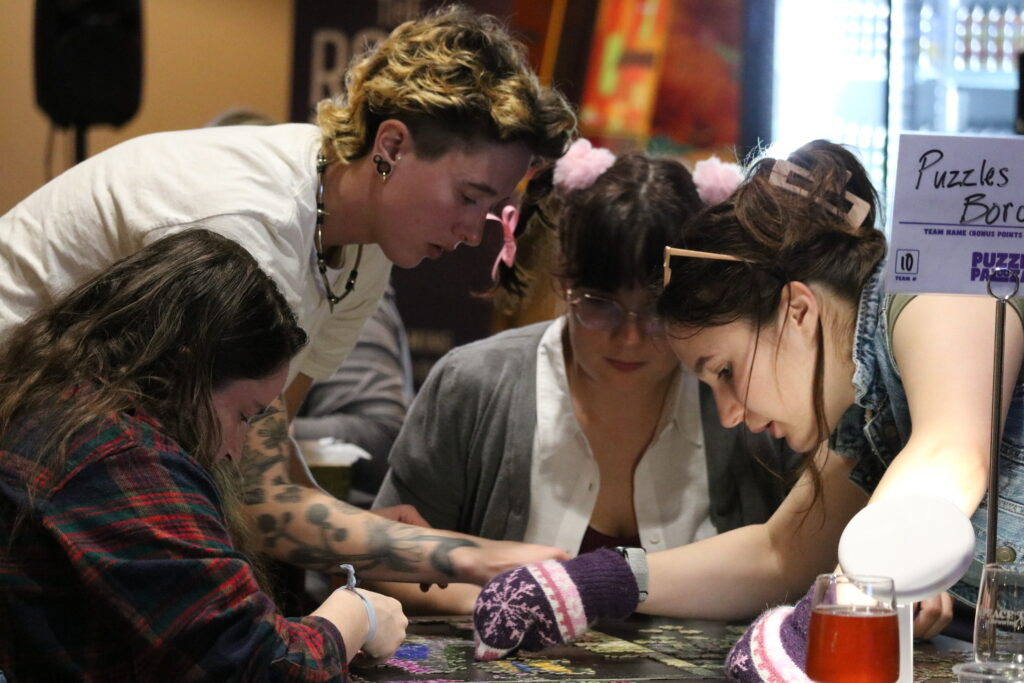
(924, 543)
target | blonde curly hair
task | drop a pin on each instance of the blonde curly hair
(453, 76)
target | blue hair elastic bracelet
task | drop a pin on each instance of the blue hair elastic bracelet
(350, 585)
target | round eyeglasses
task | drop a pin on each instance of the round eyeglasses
(607, 315)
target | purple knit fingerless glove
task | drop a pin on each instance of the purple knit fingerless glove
(551, 602)
(774, 648)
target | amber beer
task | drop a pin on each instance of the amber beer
(853, 644)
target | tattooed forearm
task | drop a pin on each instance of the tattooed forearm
(318, 556)
(399, 548)
(441, 559)
(306, 527)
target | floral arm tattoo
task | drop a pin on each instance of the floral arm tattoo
(307, 527)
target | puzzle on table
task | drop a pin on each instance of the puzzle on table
(441, 651)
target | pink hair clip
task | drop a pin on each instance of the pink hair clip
(508, 219)
(716, 179)
(581, 165)
(789, 176)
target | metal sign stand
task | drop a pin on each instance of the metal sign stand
(997, 408)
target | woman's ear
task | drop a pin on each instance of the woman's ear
(799, 309)
(393, 138)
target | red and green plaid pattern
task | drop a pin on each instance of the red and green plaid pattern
(124, 571)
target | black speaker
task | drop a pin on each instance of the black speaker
(88, 60)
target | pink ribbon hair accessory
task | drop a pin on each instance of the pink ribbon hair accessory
(716, 179)
(581, 165)
(508, 219)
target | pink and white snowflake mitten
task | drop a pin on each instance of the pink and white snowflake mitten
(774, 648)
(551, 602)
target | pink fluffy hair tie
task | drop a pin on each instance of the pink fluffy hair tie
(581, 165)
(716, 179)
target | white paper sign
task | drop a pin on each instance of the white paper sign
(958, 214)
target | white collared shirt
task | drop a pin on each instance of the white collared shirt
(670, 484)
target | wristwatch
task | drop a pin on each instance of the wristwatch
(636, 558)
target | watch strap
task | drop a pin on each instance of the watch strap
(636, 558)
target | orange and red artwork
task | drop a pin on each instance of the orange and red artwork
(665, 75)
(622, 77)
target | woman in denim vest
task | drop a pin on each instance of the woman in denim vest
(798, 336)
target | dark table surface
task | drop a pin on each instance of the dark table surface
(641, 648)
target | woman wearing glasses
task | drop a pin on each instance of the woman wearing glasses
(437, 122)
(582, 432)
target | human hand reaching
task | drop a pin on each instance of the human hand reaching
(931, 616)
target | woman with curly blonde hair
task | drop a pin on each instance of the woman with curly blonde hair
(437, 124)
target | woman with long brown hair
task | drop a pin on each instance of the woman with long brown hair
(123, 408)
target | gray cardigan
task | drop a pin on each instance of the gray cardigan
(464, 453)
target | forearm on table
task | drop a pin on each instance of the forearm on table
(734, 575)
(456, 598)
(309, 528)
(738, 573)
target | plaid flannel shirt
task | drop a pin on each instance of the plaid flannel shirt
(124, 571)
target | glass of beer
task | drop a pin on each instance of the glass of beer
(999, 617)
(854, 634)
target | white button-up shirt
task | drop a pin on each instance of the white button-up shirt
(670, 484)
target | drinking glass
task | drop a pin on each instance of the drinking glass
(999, 618)
(988, 672)
(854, 632)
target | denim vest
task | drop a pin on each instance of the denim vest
(876, 428)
